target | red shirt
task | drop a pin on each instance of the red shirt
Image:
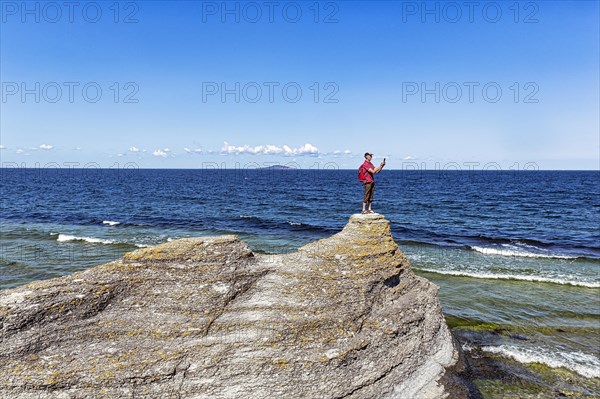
(368, 165)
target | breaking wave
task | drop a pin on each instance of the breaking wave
(510, 250)
(92, 240)
(584, 364)
(521, 277)
(110, 222)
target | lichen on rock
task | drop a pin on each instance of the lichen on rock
(204, 317)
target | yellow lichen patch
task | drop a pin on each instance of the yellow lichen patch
(195, 248)
(53, 379)
(371, 324)
(281, 363)
(152, 253)
(106, 375)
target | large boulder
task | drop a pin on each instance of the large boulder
(205, 317)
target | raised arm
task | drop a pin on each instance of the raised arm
(377, 169)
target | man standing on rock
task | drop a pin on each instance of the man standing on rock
(365, 175)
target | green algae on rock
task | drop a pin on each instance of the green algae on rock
(205, 317)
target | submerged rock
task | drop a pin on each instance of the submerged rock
(343, 317)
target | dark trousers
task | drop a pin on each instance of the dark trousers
(369, 188)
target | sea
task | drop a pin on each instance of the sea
(516, 254)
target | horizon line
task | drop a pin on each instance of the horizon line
(309, 169)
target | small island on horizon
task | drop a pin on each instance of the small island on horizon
(277, 167)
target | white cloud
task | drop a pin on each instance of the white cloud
(121, 155)
(19, 151)
(2, 147)
(46, 147)
(161, 153)
(194, 151)
(409, 157)
(337, 153)
(306, 149)
(134, 149)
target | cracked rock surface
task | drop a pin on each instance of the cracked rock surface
(343, 317)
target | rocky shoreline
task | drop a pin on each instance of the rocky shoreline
(205, 317)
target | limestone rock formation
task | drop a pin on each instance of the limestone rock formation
(205, 317)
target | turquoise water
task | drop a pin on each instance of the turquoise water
(550, 323)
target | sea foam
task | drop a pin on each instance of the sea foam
(110, 222)
(93, 240)
(515, 251)
(66, 237)
(522, 277)
(584, 364)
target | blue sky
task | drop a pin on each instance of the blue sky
(190, 84)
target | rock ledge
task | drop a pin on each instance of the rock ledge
(343, 317)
